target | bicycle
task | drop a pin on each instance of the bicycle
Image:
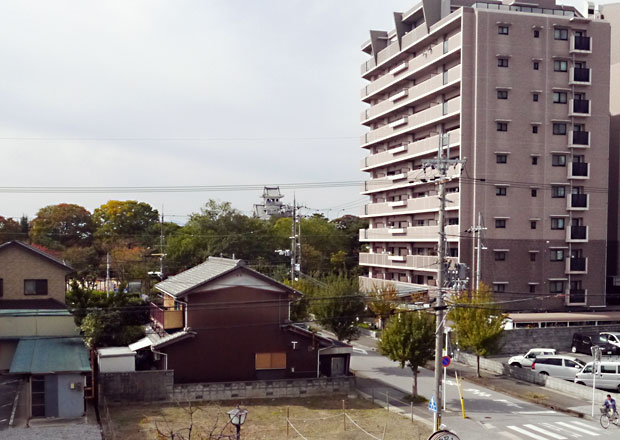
(607, 416)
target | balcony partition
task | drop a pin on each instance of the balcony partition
(167, 317)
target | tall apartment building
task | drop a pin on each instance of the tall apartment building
(520, 92)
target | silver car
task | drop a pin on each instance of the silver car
(562, 367)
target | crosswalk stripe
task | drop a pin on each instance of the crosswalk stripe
(528, 433)
(586, 426)
(509, 435)
(544, 431)
(577, 428)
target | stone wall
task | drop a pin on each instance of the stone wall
(153, 386)
(519, 341)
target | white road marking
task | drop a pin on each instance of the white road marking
(509, 435)
(516, 405)
(586, 426)
(544, 431)
(562, 430)
(577, 428)
(359, 350)
(478, 392)
(534, 412)
(488, 426)
(528, 433)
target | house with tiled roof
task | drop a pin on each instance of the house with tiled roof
(222, 321)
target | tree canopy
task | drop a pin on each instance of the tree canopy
(62, 226)
(10, 230)
(338, 307)
(135, 222)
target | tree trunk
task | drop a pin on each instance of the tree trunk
(478, 365)
(414, 388)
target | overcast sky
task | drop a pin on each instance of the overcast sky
(183, 92)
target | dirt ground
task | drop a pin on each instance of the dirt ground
(315, 418)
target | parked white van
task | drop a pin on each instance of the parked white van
(607, 376)
(562, 367)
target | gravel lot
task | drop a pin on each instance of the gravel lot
(68, 432)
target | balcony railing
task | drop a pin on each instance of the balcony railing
(577, 234)
(578, 170)
(412, 233)
(579, 139)
(167, 318)
(418, 204)
(579, 107)
(580, 75)
(576, 265)
(580, 44)
(419, 262)
(578, 201)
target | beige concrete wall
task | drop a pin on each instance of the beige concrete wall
(18, 264)
(21, 326)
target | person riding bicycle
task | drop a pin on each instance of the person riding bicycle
(610, 405)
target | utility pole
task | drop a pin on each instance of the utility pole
(294, 241)
(442, 163)
(107, 275)
(161, 244)
(478, 234)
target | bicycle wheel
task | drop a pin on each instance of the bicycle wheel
(605, 421)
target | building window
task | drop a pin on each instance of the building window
(532, 224)
(560, 98)
(453, 221)
(533, 256)
(559, 128)
(532, 288)
(560, 66)
(558, 192)
(500, 256)
(557, 255)
(270, 361)
(502, 30)
(558, 160)
(499, 288)
(560, 34)
(500, 223)
(502, 62)
(534, 192)
(500, 191)
(35, 287)
(501, 158)
(557, 223)
(535, 97)
(502, 94)
(556, 286)
(536, 65)
(534, 160)
(536, 33)
(535, 129)
(502, 126)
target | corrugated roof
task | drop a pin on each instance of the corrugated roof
(50, 355)
(37, 251)
(198, 275)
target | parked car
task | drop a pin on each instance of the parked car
(560, 366)
(583, 344)
(611, 338)
(526, 360)
(607, 376)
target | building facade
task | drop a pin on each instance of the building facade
(518, 93)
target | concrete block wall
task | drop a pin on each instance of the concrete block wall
(519, 341)
(136, 386)
(263, 389)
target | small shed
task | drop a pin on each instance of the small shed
(116, 360)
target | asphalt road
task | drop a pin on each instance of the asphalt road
(8, 388)
(489, 413)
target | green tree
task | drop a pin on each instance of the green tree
(86, 261)
(9, 230)
(409, 339)
(383, 301)
(478, 323)
(132, 222)
(338, 307)
(62, 226)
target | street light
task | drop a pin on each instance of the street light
(237, 417)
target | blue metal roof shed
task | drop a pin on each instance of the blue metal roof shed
(50, 355)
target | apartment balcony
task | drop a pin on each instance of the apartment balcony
(576, 265)
(368, 284)
(410, 262)
(423, 90)
(580, 76)
(418, 204)
(579, 107)
(579, 139)
(407, 123)
(577, 234)
(580, 44)
(412, 233)
(576, 296)
(578, 170)
(410, 150)
(577, 202)
(168, 319)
